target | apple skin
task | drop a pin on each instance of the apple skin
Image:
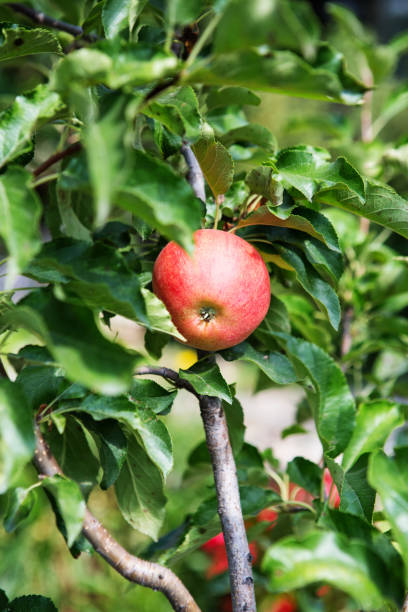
(219, 295)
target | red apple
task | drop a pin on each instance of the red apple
(219, 295)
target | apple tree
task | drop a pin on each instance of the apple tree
(126, 125)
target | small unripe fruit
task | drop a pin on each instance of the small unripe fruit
(219, 295)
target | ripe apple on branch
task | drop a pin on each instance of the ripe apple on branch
(219, 295)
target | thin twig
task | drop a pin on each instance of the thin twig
(132, 568)
(42, 19)
(71, 150)
(169, 375)
(226, 486)
(195, 175)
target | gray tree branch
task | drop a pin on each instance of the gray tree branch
(195, 175)
(132, 568)
(226, 486)
(42, 19)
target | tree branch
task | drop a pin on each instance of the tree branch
(132, 568)
(71, 150)
(195, 175)
(229, 504)
(226, 486)
(42, 19)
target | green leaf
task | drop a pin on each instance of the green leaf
(120, 14)
(375, 421)
(382, 205)
(17, 442)
(152, 432)
(103, 141)
(357, 496)
(306, 474)
(70, 503)
(309, 174)
(139, 491)
(34, 603)
(275, 365)
(327, 557)
(20, 211)
(97, 273)
(75, 454)
(277, 318)
(17, 41)
(236, 427)
(280, 72)
(182, 12)
(22, 508)
(289, 25)
(40, 384)
(112, 445)
(389, 477)
(163, 199)
(148, 394)
(19, 120)
(207, 379)
(113, 65)
(158, 315)
(302, 219)
(227, 96)
(253, 134)
(319, 289)
(178, 111)
(331, 399)
(216, 164)
(74, 341)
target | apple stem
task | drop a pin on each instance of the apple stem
(134, 569)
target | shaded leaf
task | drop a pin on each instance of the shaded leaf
(74, 341)
(34, 603)
(22, 508)
(253, 134)
(97, 273)
(120, 14)
(148, 394)
(158, 315)
(306, 474)
(389, 477)
(152, 432)
(139, 491)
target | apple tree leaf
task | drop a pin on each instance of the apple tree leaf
(327, 557)
(70, 503)
(20, 212)
(331, 399)
(375, 420)
(178, 110)
(156, 194)
(139, 491)
(19, 120)
(17, 442)
(275, 365)
(74, 341)
(17, 40)
(216, 164)
(207, 379)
